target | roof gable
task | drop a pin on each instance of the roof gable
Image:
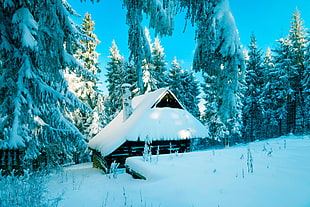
(167, 100)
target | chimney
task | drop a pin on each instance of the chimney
(127, 107)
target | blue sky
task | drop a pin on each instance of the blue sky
(268, 19)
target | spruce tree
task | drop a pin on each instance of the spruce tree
(38, 38)
(154, 70)
(185, 87)
(175, 78)
(149, 81)
(252, 110)
(210, 115)
(84, 84)
(219, 57)
(306, 88)
(298, 42)
(116, 77)
(131, 77)
(277, 90)
(159, 63)
(268, 66)
(189, 92)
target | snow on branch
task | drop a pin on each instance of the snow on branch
(27, 27)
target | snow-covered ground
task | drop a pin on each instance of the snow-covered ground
(273, 173)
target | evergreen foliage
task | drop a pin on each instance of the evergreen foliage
(159, 63)
(306, 87)
(185, 87)
(37, 45)
(174, 80)
(161, 18)
(210, 116)
(252, 110)
(284, 93)
(116, 77)
(219, 55)
(155, 70)
(298, 42)
(277, 90)
(85, 85)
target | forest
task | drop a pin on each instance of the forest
(51, 104)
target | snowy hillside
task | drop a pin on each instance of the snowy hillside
(273, 173)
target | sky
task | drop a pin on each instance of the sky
(269, 20)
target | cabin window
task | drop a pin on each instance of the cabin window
(168, 100)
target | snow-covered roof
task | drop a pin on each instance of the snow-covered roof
(149, 120)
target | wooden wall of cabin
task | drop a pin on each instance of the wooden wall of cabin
(132, 148)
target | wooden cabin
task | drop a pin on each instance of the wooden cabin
(155, 119)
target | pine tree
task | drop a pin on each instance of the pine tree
(116, 77)
(39, 39)
(252, 111)
(159, 63)
(185, 87)
(149, 81)
(277, 90)
(306, 88)
(298, 41)
(210, 116)
(85, 85)
(154, 71)
(190, 92)
(175, 78)
(131, 78)
(219, 56)
(268, 66)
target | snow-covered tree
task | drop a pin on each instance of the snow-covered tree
(116, 77)
(131, 77)
(148, 69)
(190, 92)
(38, 38)
(174, 78)
(137, 41)
(210, 116)
(149, 82)
(306, 88)
(289, 64)
(268, 66)
(219, 56)
(185, 87)
(85, 86)
(277, 90)
(298, 42)
(252, 111)
(154, 70)
(159, 63)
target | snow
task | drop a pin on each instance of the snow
(27, 25)
(207, 178)
(228, 31)
(147, 122)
